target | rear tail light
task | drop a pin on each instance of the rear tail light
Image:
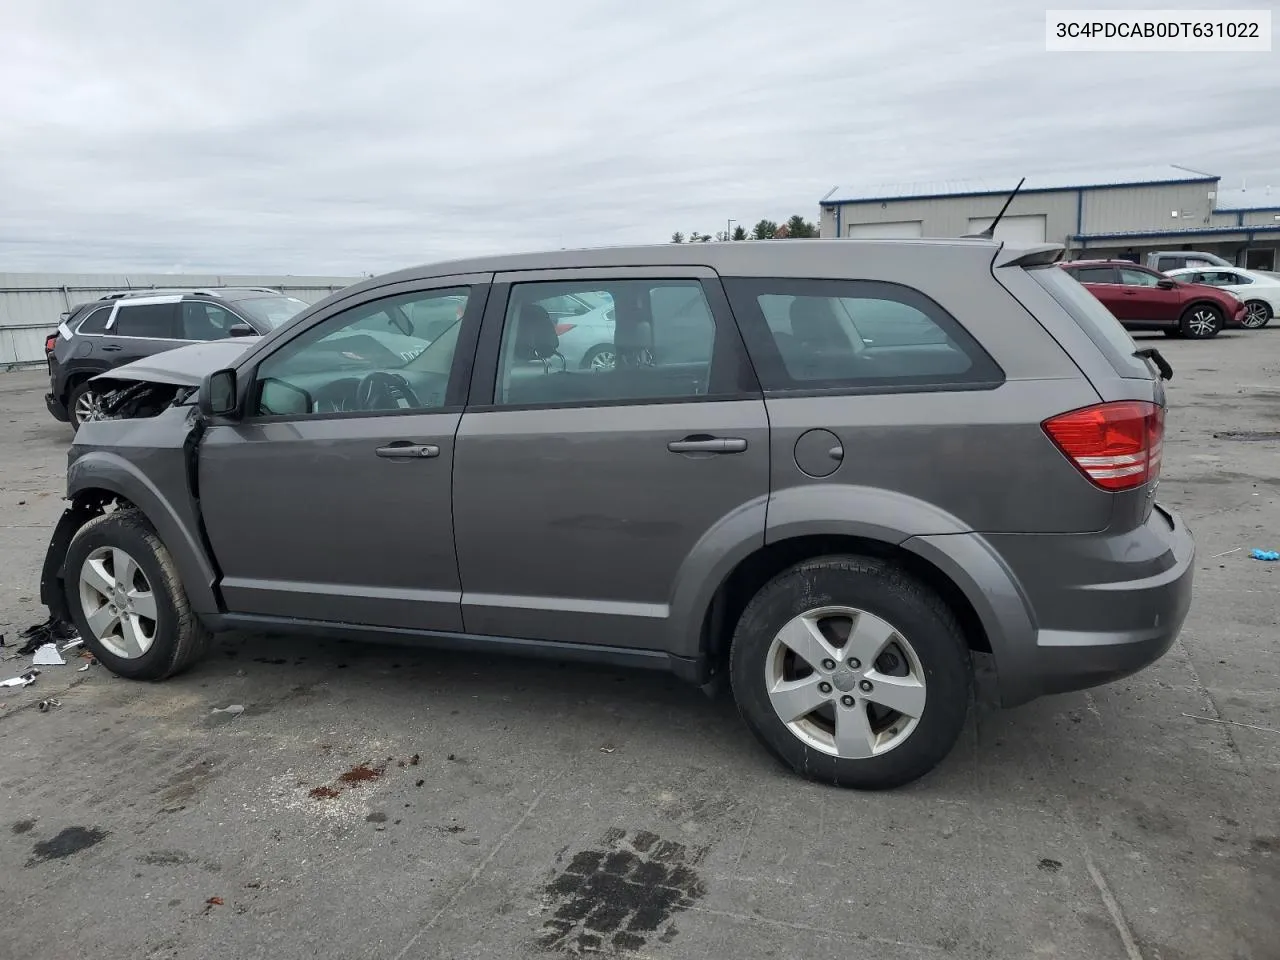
(1116, 445)
(50, 342)
(563, 328)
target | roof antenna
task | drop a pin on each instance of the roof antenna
(990, 232)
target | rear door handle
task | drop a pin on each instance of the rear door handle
(708, 445)
(112, 348)
(404, 450)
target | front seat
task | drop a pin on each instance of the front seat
(818, 348)
(536, 337)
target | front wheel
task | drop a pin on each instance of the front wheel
(852, 672)
(1201, 322)
(127, 600)
(1257, 314)
(600, 358)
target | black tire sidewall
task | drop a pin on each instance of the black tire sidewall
(882, 589)
(1267, 308)
(110, 531)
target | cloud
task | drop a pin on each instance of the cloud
(325, 137)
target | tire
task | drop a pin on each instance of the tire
(936, 654)
(82, 390)
(1258, 314)
(1200, 321)
(178, 638)
(602, 356)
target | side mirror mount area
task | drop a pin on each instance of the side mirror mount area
(218, 394)
(1168, 283)
(242, 330)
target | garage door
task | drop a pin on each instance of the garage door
(1028, 229)
(895, 230)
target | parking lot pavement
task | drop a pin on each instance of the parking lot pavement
(396, 803)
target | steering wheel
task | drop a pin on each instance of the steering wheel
(385, 391)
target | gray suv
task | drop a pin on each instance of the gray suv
(837, 473)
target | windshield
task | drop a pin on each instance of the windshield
(273, 311)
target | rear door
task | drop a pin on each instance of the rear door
(580, 493)
(140, 327)
(1104, 283)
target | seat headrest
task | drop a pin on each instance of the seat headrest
(536, 337)
(812, 321)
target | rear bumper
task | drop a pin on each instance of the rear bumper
(57, 408)
(1104, 605)
(1236, 318)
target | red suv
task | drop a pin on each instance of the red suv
(1143, 299)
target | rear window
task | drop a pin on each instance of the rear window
(1095, 320)
(860, 335)
(96, 321)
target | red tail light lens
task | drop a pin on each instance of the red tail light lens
(1116, 445)
(563, 328)
(50, 342)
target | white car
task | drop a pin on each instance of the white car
(1259, 291)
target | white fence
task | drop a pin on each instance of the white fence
(31, 304)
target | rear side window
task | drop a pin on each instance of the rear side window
(150, 320)
(855, 334)
(1095, 320)
(96, 321)
(1094, 274)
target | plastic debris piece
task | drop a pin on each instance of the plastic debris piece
(23, 680)
(1265, 555)
(44, 706)
(85, 667)
(51, 631)
(48, 656)
(72, 643)
(234, 709)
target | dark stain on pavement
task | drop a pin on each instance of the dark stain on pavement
(23, 826)
(616, 897)
(64, 844)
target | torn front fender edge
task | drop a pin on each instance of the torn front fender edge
(53, 591)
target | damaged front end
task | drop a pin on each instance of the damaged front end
(126, 400)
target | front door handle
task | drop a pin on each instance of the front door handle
(112, 348)
(404, 450)
(708, 445)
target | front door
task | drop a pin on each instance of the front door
(140, 327)
(579, 493)
(330, 500)
(1144, 300)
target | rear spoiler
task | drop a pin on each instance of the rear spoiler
(1040, 255)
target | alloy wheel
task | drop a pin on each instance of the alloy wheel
(845, 682)
(1256, 314)
(1202, 322)
(88, 407)
(118, 602)
(603, 361)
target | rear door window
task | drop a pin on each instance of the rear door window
(152, 321)
(861, 335)
(1095, 274)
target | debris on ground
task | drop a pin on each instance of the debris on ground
(1230, 723)
(52, 630)
(44, 706)
(71, 643)
(22, 680)
(234, 709)
(90, 660)
(1226, 553)
(48, 656)
(1265, 555)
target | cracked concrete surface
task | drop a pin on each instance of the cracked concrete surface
(1136, 820)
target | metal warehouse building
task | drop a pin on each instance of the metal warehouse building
(1105, 214)
(31, 304)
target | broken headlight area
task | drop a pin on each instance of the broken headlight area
(133, 400)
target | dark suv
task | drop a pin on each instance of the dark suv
(833, 471)
(126, 326)
(1143, 299)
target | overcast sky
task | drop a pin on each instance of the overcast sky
(315, 136)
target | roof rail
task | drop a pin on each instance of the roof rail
(169, 291)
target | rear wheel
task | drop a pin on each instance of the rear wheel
(1201, 321)
(127, 601)
(601, 358)
(1257, 314)
(851, 672)
(84, 404)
